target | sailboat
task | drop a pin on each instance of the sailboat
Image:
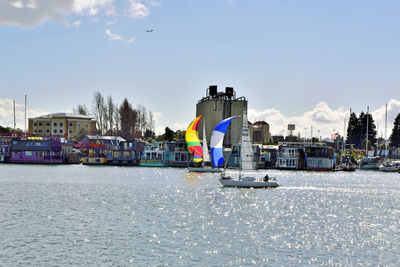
(200, 153)
(387, 165)
(247, 164)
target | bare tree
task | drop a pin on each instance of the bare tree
(98, 111)
(117, 119)
(110, 114)
(81, 109)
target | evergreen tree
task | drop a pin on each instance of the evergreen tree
(353, 130)
(363, 128)
(395, 136)
(128, 119)
(169, 134)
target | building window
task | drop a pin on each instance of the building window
(70, 124)
(70, 131)
(61, 124)
(47, 123)
(55, 124)
(40, 131)
(61, 131)
(79, 124)
(40, 124)
(47, 131)
(87, 125)
(35, 124)
(55, 131)
(34, 131)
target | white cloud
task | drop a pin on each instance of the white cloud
(138, 10)
(17, 4)
(93, 7)
(19, 13)
(31, 13)
(77, 24)
(7, 113)
(117, 37)
(322, 118)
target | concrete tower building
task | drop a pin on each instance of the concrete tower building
(215, 107)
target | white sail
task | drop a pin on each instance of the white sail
(246, 150)
(206, 155)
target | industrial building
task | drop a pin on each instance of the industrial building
(215, 107)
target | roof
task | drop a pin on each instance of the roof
(65, 115)
(260, 123)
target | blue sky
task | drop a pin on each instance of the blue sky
(303, 62)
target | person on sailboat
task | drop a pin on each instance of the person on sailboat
(266, 178)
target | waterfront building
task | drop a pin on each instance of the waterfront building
(215, 107)
(36, 150)
(65, 125)
(259, 132)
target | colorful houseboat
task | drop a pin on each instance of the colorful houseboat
(36, 150)
(99, 148)
(157, 154)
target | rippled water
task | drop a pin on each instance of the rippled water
(133, 216)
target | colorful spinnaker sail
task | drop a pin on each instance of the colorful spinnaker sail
(217, 138)
(193, 141)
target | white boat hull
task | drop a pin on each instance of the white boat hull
(388, 169)
(194, 169)
(247, 184)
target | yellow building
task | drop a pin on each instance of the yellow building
(67, 125)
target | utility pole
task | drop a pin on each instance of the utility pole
(25, 111)
(14, 114)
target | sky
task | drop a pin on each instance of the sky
(305, 62)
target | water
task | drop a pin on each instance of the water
(133, 216)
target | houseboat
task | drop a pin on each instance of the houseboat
(234, 156)
(127, 154)
(99, 148)
(182, 157)
(157, 154)
(36, 150)
(291, 156)
(268, 155)
(4, 152)
(320, 157)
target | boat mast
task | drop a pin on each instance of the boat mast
(366, 143)
(386, 141)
